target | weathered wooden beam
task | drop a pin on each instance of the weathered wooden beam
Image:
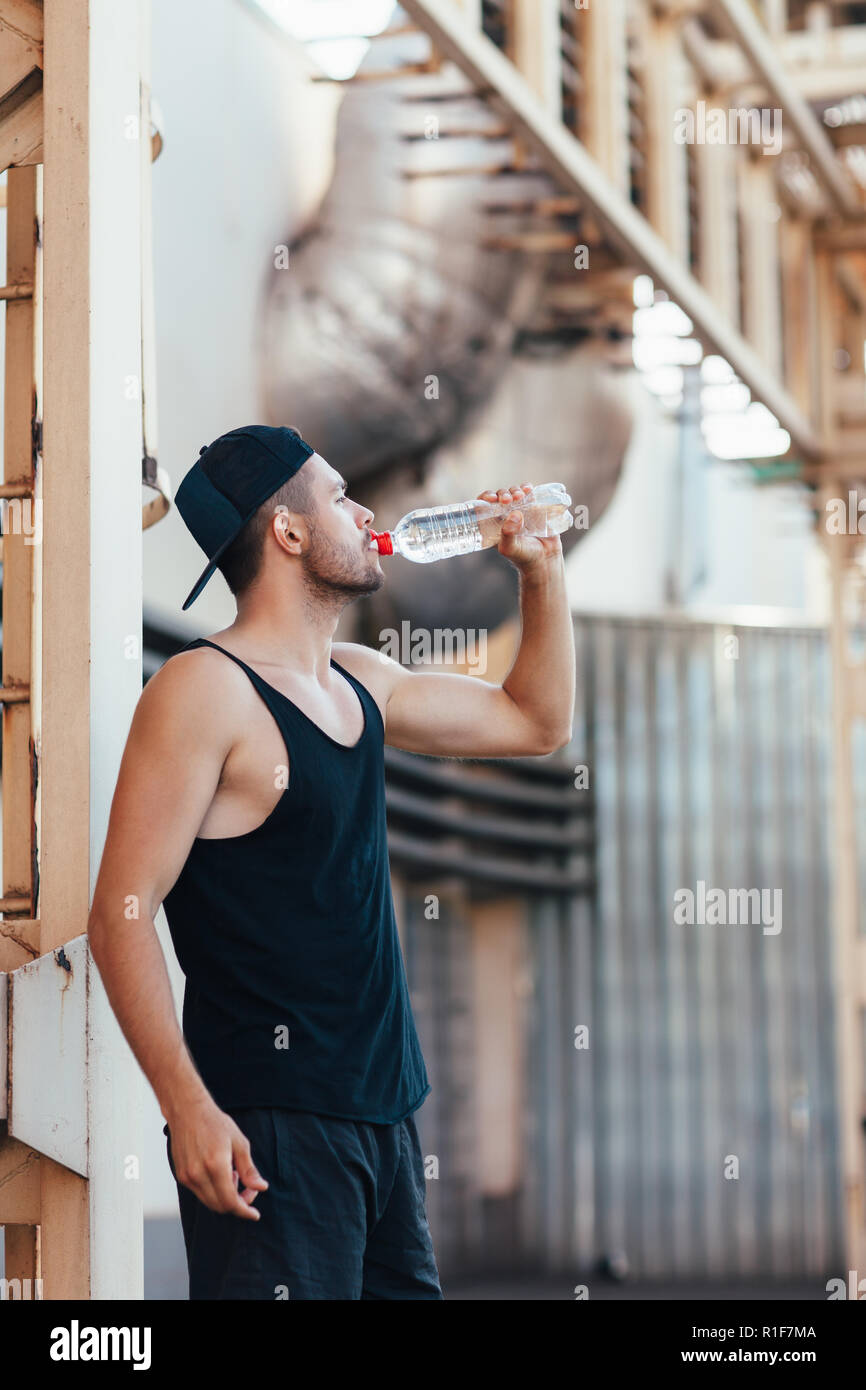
(21, 519)
(538, 207)
(843, 136)
(20, 1170)
(718, 255)
(91, 586)
(848, 448)
(18, 59)
(12, 293)
(762, 308)
(667, 160)
(849, 984)
(500, 949)
(458, 132)
(826, 293)
(440, 94)
(758, 47)
(379, 75)
(574, 168)
(456, 171)
(851, 397)
(852, 281)
(19, 1190)
(472, 10)
(776, 18)
(840, 236)
(715, 63)
(536, 50)
(830, 68)
(22, 1257)
(19, 943)
(541, 243)
(847, 467)
(797, 260)
(847, 692)
(604, 108)
(21, 123)
(22, 19)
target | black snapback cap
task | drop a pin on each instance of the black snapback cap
(229, 481)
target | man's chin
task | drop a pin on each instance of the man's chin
(374, 574)
(368, 583)
(345, 574)
(374, 581)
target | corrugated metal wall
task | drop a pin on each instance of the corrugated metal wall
(708, 749)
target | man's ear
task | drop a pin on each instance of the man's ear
(288, 528)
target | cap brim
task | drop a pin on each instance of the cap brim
(206, 574)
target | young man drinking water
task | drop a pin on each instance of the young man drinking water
(250, 803)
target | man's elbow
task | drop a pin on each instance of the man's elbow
(98, 926)
(95, 924)
(550, 741)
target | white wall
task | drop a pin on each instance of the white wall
(753, 545)
(247, 155)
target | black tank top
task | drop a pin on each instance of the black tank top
(296, 992)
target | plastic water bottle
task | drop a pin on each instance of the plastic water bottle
(459, 528)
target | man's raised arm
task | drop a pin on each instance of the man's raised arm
(531, 712)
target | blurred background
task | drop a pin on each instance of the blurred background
(467, 245)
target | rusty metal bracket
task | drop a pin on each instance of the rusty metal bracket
(157, 478)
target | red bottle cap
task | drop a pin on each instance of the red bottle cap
(383, 541)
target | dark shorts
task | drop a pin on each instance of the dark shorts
(343, 1217)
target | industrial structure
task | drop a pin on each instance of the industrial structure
(545, 132)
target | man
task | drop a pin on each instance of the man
(250, 802)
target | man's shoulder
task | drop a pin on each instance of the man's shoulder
(194, 665)
(199, 679)
(372, 668)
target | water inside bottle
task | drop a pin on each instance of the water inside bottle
(437, 533)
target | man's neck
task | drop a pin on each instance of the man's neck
(294, 637)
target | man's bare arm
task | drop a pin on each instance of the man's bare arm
(453, 715)
(168, 774)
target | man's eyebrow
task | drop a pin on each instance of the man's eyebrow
(340, 483)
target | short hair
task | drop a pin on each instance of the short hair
(241, 562)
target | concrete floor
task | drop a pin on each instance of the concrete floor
(165, 1278)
